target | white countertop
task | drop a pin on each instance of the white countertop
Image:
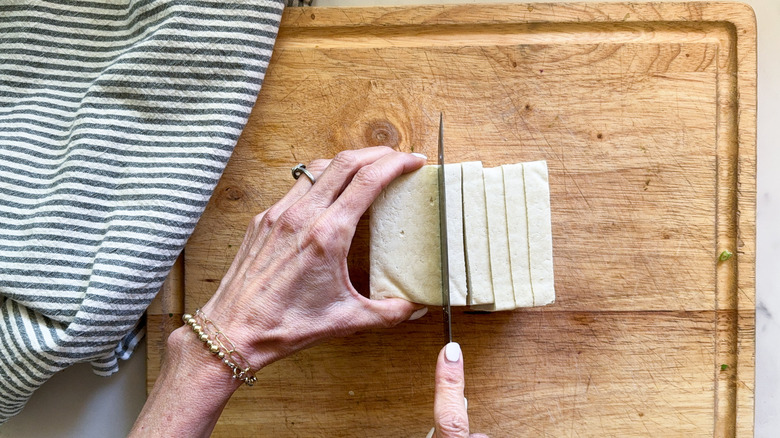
(77, 403)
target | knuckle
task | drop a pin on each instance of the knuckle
(345, 159)
(269, 218)
(321, 237)
(324, 235)
(383, 149)
(449, 378)
(368, 175)
(318, 166)
(261, 223)
(289, 221)
(330, 233)
(257, 220)
(452, 425)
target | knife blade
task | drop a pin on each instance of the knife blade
(445, 268)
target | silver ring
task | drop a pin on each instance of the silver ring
(301, 169)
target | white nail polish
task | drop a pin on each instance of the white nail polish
(466, 403)
(452, 352)
(418, 314)
(419, 155)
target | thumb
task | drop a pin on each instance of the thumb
(390, 312)
(449, 408)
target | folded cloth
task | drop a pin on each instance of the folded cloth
(116, 121)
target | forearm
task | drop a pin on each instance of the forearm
(190, 393)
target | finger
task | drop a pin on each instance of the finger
(262, 223)
(449, 409)
(250, 236)
(370, 180)
(390, 312)
(303, 185)
(341, 170)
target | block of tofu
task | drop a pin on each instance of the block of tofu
(404, 248)
(456, 257)
(504, 298)
(537, 201)
(517, 229)
(480, 285)
(499, 237)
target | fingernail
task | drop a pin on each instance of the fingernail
(418, 313)
(452, 352)
(466, 402)
(419, 155)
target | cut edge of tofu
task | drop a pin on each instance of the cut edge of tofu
(476, 243)
(455, 240)
(517, 232)
(538, 210)
(498, 240)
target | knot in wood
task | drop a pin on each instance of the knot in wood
(233, 193)
(382, 133)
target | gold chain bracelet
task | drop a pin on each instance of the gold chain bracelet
(221, 346)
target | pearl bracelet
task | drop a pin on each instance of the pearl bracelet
(219, 345)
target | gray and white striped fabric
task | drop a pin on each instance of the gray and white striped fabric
(117, 118)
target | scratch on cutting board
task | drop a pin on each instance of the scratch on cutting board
(508, 95)
(430, 66)
(387, 66)
(682, 239)
(344, 13)
(297, 86)
(676, 161)
(587, 386)
(563, 162)
(650, 273)
(681, 414)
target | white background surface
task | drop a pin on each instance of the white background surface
(77, 403)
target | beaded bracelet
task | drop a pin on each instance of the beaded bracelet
(219, 345)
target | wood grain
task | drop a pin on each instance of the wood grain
(645, 114)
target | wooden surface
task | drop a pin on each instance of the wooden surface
(646, 116)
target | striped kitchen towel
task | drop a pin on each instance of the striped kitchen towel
(117, 118)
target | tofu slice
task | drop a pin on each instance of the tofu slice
(537, 200)
(504, 298)
(480, 285)
(404, 249)
(455, 247)
(517, 229)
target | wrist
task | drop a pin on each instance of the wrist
(190, 393)
(188, 360)
(259, 336)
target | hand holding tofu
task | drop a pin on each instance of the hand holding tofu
(290, 275)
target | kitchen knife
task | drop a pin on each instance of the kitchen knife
(445, 268)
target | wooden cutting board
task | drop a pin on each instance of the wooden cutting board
(646, 115)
